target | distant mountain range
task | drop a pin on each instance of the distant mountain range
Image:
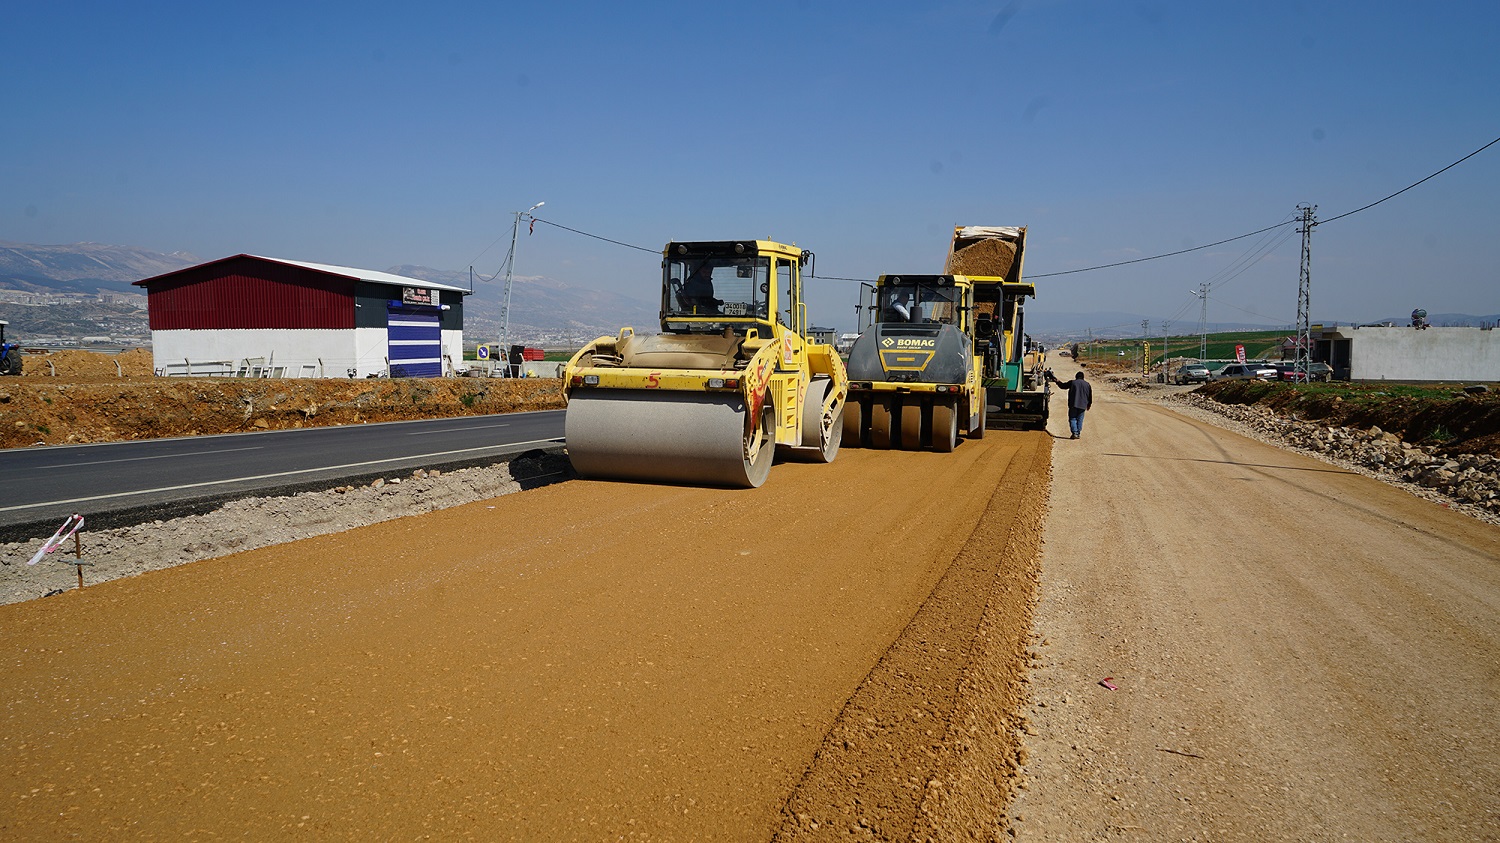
(543, 311)
(86, 268)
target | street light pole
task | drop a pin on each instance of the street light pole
(510, 267)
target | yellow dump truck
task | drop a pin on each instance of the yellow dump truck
(1012, 375)
(731, 380)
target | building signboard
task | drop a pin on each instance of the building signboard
(416, 295)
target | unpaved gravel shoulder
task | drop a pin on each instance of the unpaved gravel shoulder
(255, 522)
(1187, 402)
(1319, 669)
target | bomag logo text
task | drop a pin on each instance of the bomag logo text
(915, 343)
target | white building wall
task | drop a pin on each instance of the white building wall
(284, 352)
(271, 352)
(371, 348)
(453, 352)
(1434, 354)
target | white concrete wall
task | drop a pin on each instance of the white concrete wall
(1434, 354)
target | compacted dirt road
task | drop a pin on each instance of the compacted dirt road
(1300, 653)
(837, 651)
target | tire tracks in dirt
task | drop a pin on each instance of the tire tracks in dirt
(927, 747)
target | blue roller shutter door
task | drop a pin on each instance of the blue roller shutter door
(415, 342)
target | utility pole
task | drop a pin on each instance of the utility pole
(510, 267)
(1304, 293)
(1164, 327)
(1202, 294)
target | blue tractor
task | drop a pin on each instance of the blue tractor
(10, 354)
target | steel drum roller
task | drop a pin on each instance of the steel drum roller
(674, 437)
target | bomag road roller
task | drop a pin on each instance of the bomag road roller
(730, 381)
(914, 374)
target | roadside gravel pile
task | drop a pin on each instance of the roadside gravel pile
(1469, 483)
(251, 523)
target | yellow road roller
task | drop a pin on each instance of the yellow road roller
(731, 381)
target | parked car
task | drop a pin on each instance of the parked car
(1247, 372)
(1317, 372)
(1191, 373)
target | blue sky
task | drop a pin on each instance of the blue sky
(379, 134)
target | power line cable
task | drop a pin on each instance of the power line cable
(1166, 255)
(1410, 186)
(1270, 227)
(1248, 260)
(658, 251)
(595, 236)
(486, 249)
(1107, 265)
(1251, 312)
(836, 278)
(509, 256)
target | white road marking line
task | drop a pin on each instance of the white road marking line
(158, 457)
(268, 476)
(452, 429)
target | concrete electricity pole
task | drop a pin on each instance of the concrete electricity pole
(1202, 294)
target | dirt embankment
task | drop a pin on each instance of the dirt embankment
(84, 397)
(1459, 423)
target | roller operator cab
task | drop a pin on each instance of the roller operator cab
(914, 374)
(731, 380)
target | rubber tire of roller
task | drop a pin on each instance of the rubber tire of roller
(880, 422)
(816, 446)
(853, 420)
(944, 426)
(911, 426)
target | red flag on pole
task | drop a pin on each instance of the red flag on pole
(532, 228)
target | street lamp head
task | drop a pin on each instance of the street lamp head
(534, 207)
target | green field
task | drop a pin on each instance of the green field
(1258, 345)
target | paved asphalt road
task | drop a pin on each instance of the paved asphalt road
(119, 482)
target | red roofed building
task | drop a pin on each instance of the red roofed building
(265, 317)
